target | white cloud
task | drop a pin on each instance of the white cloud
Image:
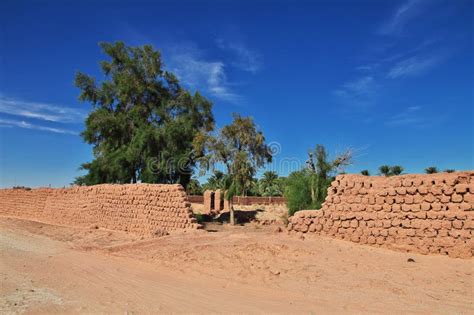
(8, 123)
(247, 59)
(359, 93)
(412, 66)
(401, 17)
(40, 111)
(191, 69)
(409, 116)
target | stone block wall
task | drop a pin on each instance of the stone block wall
(428, 214)
(141, 209)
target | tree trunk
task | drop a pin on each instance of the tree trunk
(231, 213)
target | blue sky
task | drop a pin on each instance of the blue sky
(393, 80)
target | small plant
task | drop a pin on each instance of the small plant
(387, 170)
(21, 187)
(199, 218)
(384, 170)
(365, 172)
(431, 170)
(449, 170)
(396, 170)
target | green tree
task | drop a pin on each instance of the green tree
(298, 192)
(384, 170)
(396, 170)
(322, 170)
(449, 170)
(242, 148)
(307, 189)
(143, 123)
(270, 185)
(215, 181)
(431, 170)
(365, 172)
(194, 187)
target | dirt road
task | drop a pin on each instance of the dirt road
(52, 269)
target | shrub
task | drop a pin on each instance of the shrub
(396, 170)
(297, 192)
(431, 170)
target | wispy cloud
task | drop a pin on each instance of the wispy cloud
(192, 69)
(359, 93)
(409, 116)
(412, 66)
(8, 123)
(401, 17)
(246, 59)
(41, 111)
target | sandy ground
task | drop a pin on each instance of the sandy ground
(245, 269)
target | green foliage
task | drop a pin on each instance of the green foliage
(384, 170)
(143, 123)
(387, 170)
(431, 170)
(396, 170)
(307, 189)
(194, 187)
(215, 181)
(365, 172)
(450, 170)
(240, 147)
(298, 192)
(270, 185)
(199, 218)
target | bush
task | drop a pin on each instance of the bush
(297, 192)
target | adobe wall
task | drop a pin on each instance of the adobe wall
(141, 209)
(428, 214)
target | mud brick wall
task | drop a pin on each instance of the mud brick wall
(428, 214)
(141, 209)
(208, 201)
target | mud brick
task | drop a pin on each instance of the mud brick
(401, 190)
(469, 198)
(457, 224)
(461, 188)
(422, 190)
(456, 198)
(429, 198)
(448, 190)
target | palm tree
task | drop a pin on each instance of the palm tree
(269, 184)
(396, 170)
(216, 181)
(431, 170)
(384, 170)
(365, 172)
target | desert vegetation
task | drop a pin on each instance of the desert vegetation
(145, 127)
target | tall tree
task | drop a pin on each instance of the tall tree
(321, 170)
(270, 185)
(242, 148)
(194, 187)
(215, 181)
(143, 123)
